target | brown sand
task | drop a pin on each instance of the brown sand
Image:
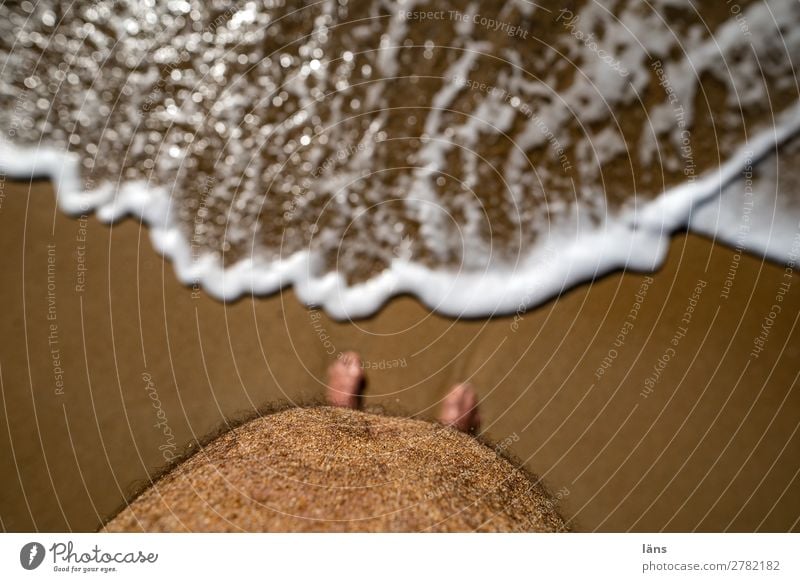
(334, 469)
(714, 447)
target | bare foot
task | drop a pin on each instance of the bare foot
(460, 409)
(345, 380)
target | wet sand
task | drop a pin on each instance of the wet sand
(110, 367)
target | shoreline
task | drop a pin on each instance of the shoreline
(636, 240)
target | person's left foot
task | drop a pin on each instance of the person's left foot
(345, 380)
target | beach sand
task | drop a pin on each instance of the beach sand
(109, 372)
(341, 470)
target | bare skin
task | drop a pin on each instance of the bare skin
(346, 380)
(460, 409)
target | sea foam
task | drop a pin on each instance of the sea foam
(331, 150)
(636, 240)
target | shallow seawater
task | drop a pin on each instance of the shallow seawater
(482, 156)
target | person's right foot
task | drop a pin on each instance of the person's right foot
(345, 379)
(460, 409)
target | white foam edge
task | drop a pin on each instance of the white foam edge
(762, 221)
(635, 239)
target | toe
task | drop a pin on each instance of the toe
(344, 380)
(351, 362)
(459, 408)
